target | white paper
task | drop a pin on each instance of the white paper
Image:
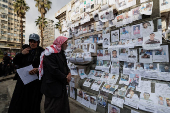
(128, 67)
(117, 101)
(25, 76)
(145, 56)
(106, 54)
(164, 4)
(93, 103)
(115, 68)
(82, 74)
(136, 31)
(132, 55)
(124, 79)
(136, 14)
(125, 32)
(147, 28)
(96, 85)
(114, 35)
(146, 8)
(88, 82)
(123, 54)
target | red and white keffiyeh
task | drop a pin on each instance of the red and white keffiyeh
(55, 48)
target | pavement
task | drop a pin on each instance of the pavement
(7, 85)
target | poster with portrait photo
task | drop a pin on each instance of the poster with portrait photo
(95, 39)
(86, 99)
(92, 48)
(102, 100)
(109, 14)
(139, 67)
(141, 1)
(80, 30)
(114, 35)
(106, 40)
(145, 56)
(93, 102)
(113, 109)
(106, 54)
(72, 92)
(147, 101)
(99, 54)
(99, 65)
(73, 70)
(136, 30)
(106, 30)
(123, 54)
(91, 74)
(125, 32)
(100, 36)
(96, 85)
(102, 16)
(73, 57)
(136, 15)
(87, 56)
(132, 98)
(99, 25)
(88, 82)
(161, 55)
(127, 17)
(98, 75)
(134, 81)
(164, 4)
(121, 43)
(79, 57)
(117, 101)
(124, 79)
(132, 55)
(122, 91)
(79, 95)
(115, 67)
(130, 43)
(105, 76)
(128, 67)
(113, 78)
(139, 41)
(114, 43)
(84, 29)
(121, 4)
(151, 70)
(106, 65)
(131, 3)
(163, 103)
(119, 20)
(147, 28)
(69, 45)
(144, 86)
(164, 71)
(146, 8)
(85, 47)
(110, 88)
(82, 74)
(152, 41)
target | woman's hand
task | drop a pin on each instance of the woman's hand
(68, 77)
(33, 71)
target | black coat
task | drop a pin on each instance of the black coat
(27, 98)
(55, 72)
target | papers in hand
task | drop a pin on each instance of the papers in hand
(25, 76)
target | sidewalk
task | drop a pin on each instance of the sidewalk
(8, 77)
(75, 107)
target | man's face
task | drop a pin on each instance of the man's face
(124, 50)
(136, 28)
(114, 54)
(166, 67)
(145, 25)
(152, 36)
(161, 98)
(64, 46)
(139, 39)
(106, 52)
(146, 96)
(33, 44)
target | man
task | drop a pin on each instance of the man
(131, 55)
(7, 62)
(152, 40)
(56, 75)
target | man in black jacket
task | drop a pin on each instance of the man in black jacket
(55, 77)
(7, 62)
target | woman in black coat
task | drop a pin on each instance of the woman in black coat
(27, 98)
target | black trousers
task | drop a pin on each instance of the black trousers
(57, 105)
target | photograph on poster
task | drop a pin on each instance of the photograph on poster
(93, 103)
(150, 67)
(122, 4)
(161, 55)
(121, 42)
(164, 4)
(86, 99)
(99, 26)
(106, 63)
(100, 38)
(132, 55)
(122, 90)
(114, 35)
(98, 74)
(139, 66)
(164, 67)
(136, 14)
(106, 30)
(99, 53)
(134, 80)
(96, 85)
(92, 48)
(102, 100)
(123, 54)
(113, 78)
(106, 54)
(88, 82)
(102, 16)
(136, 31)
(139, 41)
(146, 8)
(105, 76)
(95, 39)
(73, 70)
(96, 15)
(145, 56)
(128, 65)
(147, 28)
(127, 17)
(113, 109)
(99, 63)
(82, 73)
(85, 47)
(106, 40)
(72, 92)
(125, 32)
(124, 79)
(79, 95)
(147, 101)
(132, 98)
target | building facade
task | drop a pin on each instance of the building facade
(10, 37)
(48, 33)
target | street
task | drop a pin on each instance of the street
(6, 91)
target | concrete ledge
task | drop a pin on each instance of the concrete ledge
(7, 77)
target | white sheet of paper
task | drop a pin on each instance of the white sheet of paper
(25, 76)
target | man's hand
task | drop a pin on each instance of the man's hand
(33, 71)
(26, 51)
(68, 77)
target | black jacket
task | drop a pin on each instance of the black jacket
(55, 72)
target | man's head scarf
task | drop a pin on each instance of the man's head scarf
(55, 48)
